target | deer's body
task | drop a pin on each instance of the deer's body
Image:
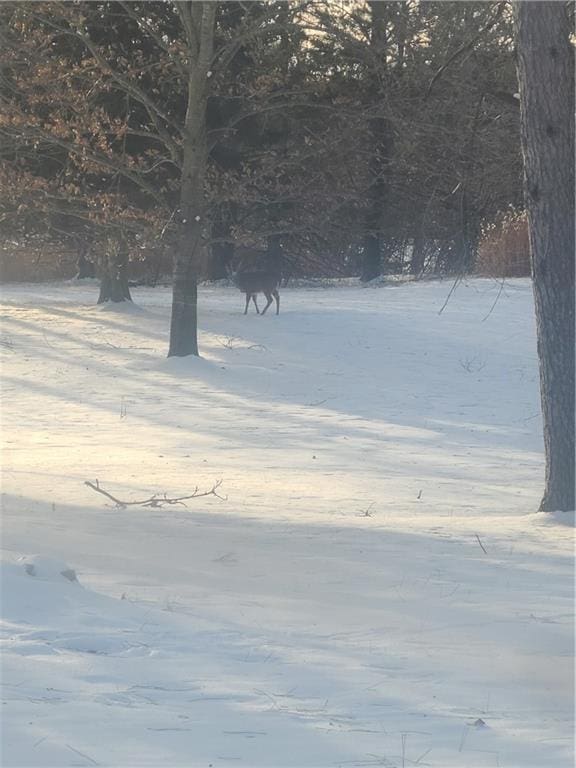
(255, 281)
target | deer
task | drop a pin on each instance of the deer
(253, 281)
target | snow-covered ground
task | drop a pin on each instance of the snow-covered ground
(375, 589)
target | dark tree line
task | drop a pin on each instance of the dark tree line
(399, 117)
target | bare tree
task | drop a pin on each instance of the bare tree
(546, 76)
(198, 19)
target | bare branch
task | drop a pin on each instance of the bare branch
(190, 17)
(264, 25)
(468, 45)
(157, 500)
(127, 85)
(146, 27)
(95, 157)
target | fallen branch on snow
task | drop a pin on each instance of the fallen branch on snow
(157, 500)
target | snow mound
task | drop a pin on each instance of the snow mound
(48, 568)
(120, 307)
(558, 518)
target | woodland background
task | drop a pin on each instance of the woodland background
(344, 139)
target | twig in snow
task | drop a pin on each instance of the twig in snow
(232, 342)
(46, 341)
(7, 344)
(472, 364)
(495, 301)
(422, 756)
(456, 283)
(227, 342)
(156, 500)
(479, 542)
(316, 403)
(86, 757)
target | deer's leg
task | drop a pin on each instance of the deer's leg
(247, 302)
(277, 297)
(269, 300)
(256, 305)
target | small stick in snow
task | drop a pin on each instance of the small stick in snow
(155, 500)
(495, 301)
(479, 542)
(86, 757)
(451, 291)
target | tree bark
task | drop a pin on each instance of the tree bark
(114, 287)
(546, 77)
(184, 321)
(114, 274)
(198, 19)
(380, 139)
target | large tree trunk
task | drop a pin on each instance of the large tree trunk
(114, 287)
(184, 320)
(198, 19)
(546, 76)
